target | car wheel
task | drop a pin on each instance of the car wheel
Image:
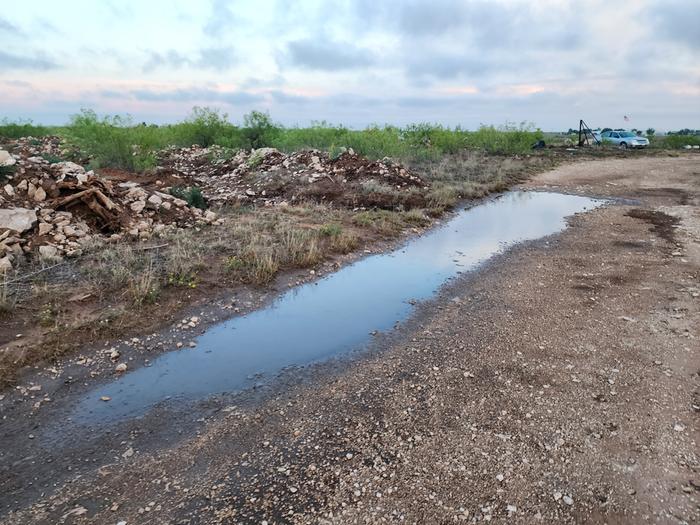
(623, 145)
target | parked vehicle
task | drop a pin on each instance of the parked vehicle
(624, 139)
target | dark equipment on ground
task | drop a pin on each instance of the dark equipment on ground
(584, 131)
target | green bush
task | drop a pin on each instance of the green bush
(192, 194)
(106, 141)
(206, 127)
(258, 130)
(678, 141)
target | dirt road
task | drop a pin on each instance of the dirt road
(558, 384)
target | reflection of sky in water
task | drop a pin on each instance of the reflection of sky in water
(320, 320)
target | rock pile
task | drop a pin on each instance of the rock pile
(53, 209)
(269, 176)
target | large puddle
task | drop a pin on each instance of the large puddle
(335, 314)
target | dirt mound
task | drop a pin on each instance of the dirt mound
(55, 208)
(269, 176)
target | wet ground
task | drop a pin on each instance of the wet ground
(527, 390)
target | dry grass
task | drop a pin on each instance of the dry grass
(7, 301)
(145, 287)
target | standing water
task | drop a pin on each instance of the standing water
(337, 313)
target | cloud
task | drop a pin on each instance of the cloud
(221, 19)
(678, 21)
(447, 65)
(214, 58)
(282, 97)
(7, 27)
(38, 62)
(18, 83)
(326, 55)
(202, 95)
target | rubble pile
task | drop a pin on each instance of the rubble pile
(53, 209)
(269, 176)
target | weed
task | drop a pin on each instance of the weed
(416, 217)
(261, 265)
(300, 248)
(443, 196)
(51, 159)
(331, 230)
(385, 222)
(145, 288)
(234, 264)
(47, 315)
(345, 242)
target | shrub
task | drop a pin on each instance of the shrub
(206, 127)
(678, 141)
(258, 130)
(191, 194)
(106, 141)
(5, 172)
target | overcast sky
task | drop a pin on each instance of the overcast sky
(356, 62)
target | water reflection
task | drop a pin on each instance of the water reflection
(335, 315)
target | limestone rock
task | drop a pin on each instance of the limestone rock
(17, 219)
(6, 159)
(40, 194)
(48, 252)
(5, 264)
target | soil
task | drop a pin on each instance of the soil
(557, 384)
